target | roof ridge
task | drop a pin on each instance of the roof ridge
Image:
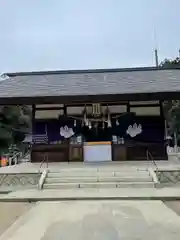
(83, 71)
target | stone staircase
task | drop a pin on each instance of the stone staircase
(98, 178)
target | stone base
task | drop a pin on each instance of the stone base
(172, 157)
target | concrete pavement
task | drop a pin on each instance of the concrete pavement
(35, 195)
(10, 212)
(90, 220)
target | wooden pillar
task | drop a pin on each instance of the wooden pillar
(33, 115)
(128, 107)
(65, 109)
(163, 117)
(32, 131)
(161, 109)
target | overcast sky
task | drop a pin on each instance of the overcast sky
(83, 34)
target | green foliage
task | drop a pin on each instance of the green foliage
(172, 107)
(15, 123)
(172, 115)
(170, 63)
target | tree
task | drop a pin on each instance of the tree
(170, 63)
(15, 123)
(172, 107)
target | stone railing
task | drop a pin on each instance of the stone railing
(169, 177)
(173, 153)
(19, 180)
(16, 158)
(42, 179)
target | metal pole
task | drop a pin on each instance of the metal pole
(175, 141)
(156, 57)
(166, 132)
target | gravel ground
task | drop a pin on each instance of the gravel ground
(10, 212)
(174, 205)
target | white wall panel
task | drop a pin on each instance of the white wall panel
(118, 109)
(143, 102)
(146, 111)
(48, 114)
(78, 110)
(49, 105)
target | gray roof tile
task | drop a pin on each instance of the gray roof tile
(97, 82)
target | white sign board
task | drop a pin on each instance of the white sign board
(97, 152)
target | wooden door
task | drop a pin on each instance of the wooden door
(76, 153)
(119, 152)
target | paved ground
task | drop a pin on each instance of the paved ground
(10, 212)
(35, 167)
(112, 220)
(174, 205)
(88, 219)
(94, 193)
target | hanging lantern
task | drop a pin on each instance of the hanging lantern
(85, 117)
(109, 121)
(86, 122)
(74, 123)
(108, 118)
(90, 126)
(103, 124)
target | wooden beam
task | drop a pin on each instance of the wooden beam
(89, 98)
(65, 109)
(102, 103)
(144, 105)
(49, 108)
(128, 107)
(161, 109)
(33, 116)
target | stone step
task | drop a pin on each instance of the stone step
(99, 185)
(95, 174)
(117, 169)
(82, 179)
(138, 174)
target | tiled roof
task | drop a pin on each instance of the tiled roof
(90, 82)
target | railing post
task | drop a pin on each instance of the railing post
(42, 179)
(16, 159)
(9, 161)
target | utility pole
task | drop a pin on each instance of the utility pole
(156, 57)
(156, 47)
